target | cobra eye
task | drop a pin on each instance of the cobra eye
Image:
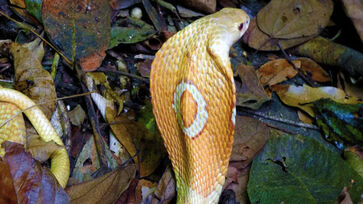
(240, 26)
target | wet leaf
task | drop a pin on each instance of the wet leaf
(7, 190)
(249, 92)
(32, 182)
(303, 96)
(298, 169)
(286, 19)
(340, 122)
(81, 29)
(130, 30)
(104, 189)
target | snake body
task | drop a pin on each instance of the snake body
(193, 97)
(60, 160)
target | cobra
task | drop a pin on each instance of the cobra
(60, 161)
(193, 97)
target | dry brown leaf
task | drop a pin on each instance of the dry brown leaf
(354, 10)
(77, 115)
(249, 138)
(239, 186)
(104, 189)
(39, 149)
(313, 69)
(304, 117)
(249, 92)
(257, 39)
(165, 191)
(303, 96)
(208, 6)
(32, 182)
(276, 71)
(286, 19)
(30, 76)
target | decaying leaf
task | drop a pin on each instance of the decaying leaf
(81, 29)
(276, 71)
(303, 96)
(312, 69)
(32, 182)
(77, 115)
(249, 138)
(104, 189)
(30, 76)
(249, 92)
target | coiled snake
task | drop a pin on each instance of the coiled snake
(193, 97)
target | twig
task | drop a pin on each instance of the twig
(103, 69)
(273, 118)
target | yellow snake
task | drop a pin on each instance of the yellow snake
(60, 160)
(193, 97)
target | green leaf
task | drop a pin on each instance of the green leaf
(298, 169)
(34, 7)
(340, 122)
(130, 30)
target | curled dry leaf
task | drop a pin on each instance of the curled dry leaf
(104, 189)
(303, 96)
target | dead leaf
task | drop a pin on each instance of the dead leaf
(276, 71)
(249, 92)
(104, 189)
(77, 115)
(165, 191)
(32, 182)
(303, 96)
(30, 76)
(239, 184)
(81, 29)
(353, 9)
(304, 117)
(313, 69)
(40, 149)
(208, 6)
(7, 190)
(144, 191)
(286, 19)
(249, 138)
